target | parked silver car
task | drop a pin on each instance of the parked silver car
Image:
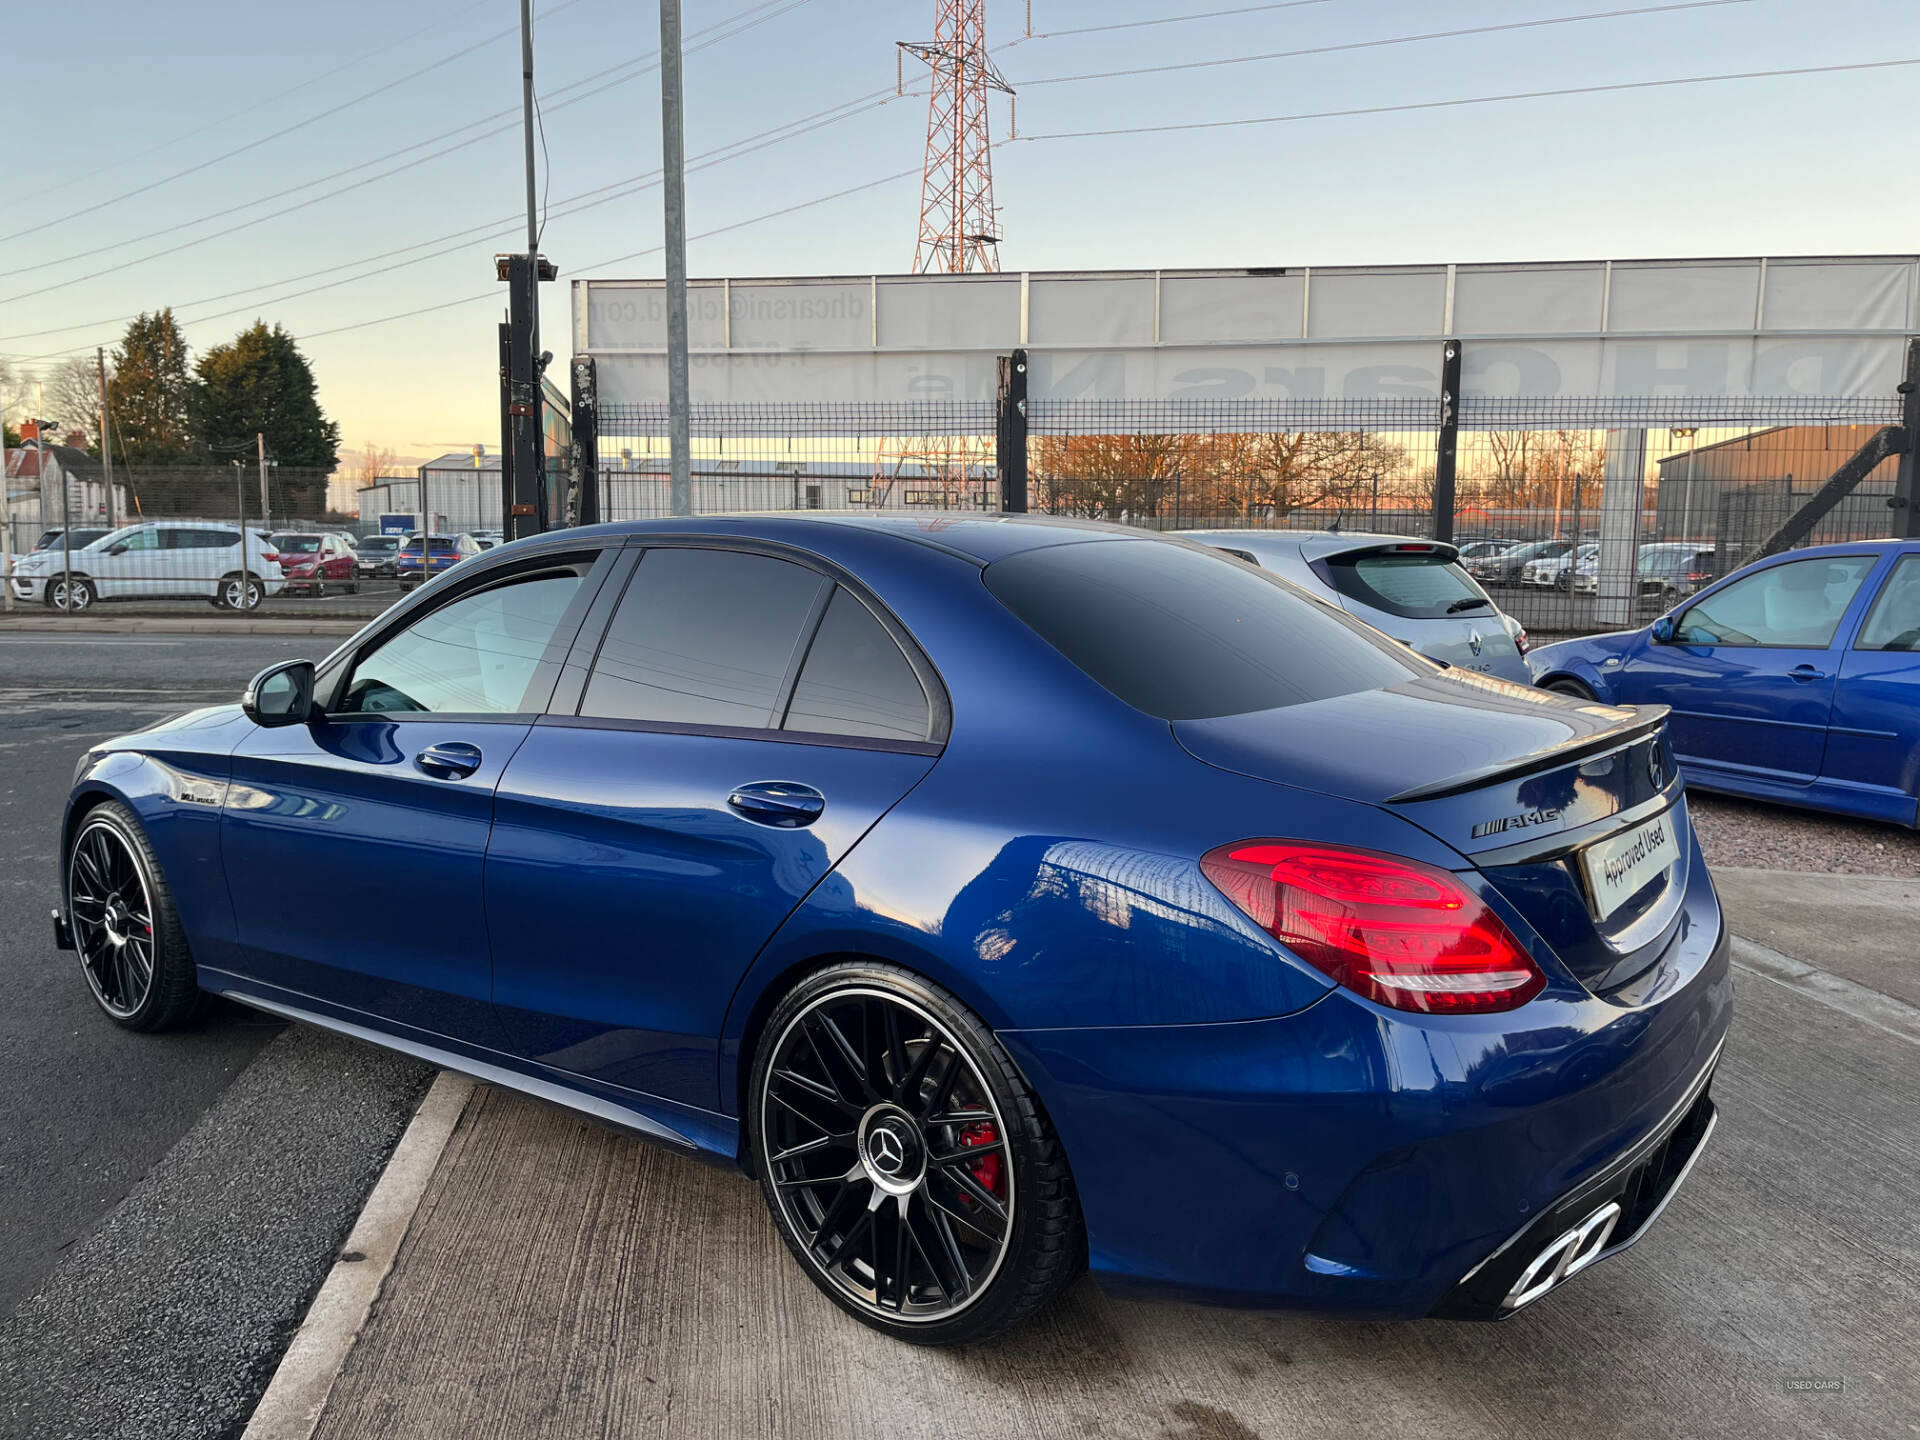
(1413, 590)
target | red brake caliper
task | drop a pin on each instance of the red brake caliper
(986, 1169)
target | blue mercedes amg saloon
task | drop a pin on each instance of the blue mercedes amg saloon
(1006, 895)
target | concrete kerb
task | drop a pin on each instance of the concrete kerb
(162, 625)
(298, 1393)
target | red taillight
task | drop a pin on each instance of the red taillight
(272, 557)
(1401, 933)
(1520, 641)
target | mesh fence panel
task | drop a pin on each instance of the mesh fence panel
(1717, 477)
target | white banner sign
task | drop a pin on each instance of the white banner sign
(1708, 329)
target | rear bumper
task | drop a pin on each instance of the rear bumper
(1639, 1184)
(1360, 1162)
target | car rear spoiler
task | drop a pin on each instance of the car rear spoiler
(1637, 725)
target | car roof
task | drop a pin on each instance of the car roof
(980, 537)
(1310, 544)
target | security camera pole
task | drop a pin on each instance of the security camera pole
(523, 458)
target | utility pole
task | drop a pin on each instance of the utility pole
(522, 457)
(106, 440)
(266, 508)
(674, 189)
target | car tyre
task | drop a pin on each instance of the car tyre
(126, 927)
(76, 599)
(863, 1066)
(319, 589)
(237, 592)
(1565, 686)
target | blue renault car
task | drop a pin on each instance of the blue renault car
(1007, 896)
(1795, 679)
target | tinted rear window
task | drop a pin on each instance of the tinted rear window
(1185, 635)
(1420, 585)
(856, 681)
(702, 637)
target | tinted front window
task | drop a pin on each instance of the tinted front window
(702, 637)
(856, 681)
(475, 656)
(1416, 584)
(1183, 635)
(1798, 604)
(1894, 621)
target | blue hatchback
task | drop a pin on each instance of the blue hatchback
(1006, 895)
(1795, 679)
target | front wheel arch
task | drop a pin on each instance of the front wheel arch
(1567, 684)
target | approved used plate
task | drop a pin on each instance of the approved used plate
(1619, 868)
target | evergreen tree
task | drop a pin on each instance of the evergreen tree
(260, 383)
(151, 393)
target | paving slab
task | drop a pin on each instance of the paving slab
(560, 1280)
(1862, 928)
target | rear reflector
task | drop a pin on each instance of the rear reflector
(1403, 934)
(1520, 641)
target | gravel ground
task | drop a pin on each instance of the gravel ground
(1777, 837)
(169, 1320)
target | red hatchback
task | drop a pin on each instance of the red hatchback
(312, 561)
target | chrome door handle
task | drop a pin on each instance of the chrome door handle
(451, 760)
(781, 803)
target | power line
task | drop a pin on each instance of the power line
(1469, 100)
(277, 134)
(312, 200)
(1173, 19)
(1382, 43)
(275, 98)
(1145, 129)
(782, 212)
(505, 225)
(646, 63)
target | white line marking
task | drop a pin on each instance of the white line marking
(291, 1408)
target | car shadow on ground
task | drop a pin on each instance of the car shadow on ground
(563, 1279)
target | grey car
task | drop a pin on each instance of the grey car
(1413, 590)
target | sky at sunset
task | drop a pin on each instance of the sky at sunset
(148, 169)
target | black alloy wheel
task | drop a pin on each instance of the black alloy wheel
(125, 927)
(907, 1165)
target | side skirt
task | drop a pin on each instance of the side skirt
(701, 1134)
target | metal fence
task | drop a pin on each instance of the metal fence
(1715, 481)
(1527, 502)
(167, 536)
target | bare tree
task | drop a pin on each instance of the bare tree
(1269, 476)
(376, 464)
(1112, 477)
(71, 392)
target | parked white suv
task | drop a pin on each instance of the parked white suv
(154, 560)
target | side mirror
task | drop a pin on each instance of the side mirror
(1664, 629)
(116, 549)
(280, 695)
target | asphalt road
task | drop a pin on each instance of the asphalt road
(87, 1109)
